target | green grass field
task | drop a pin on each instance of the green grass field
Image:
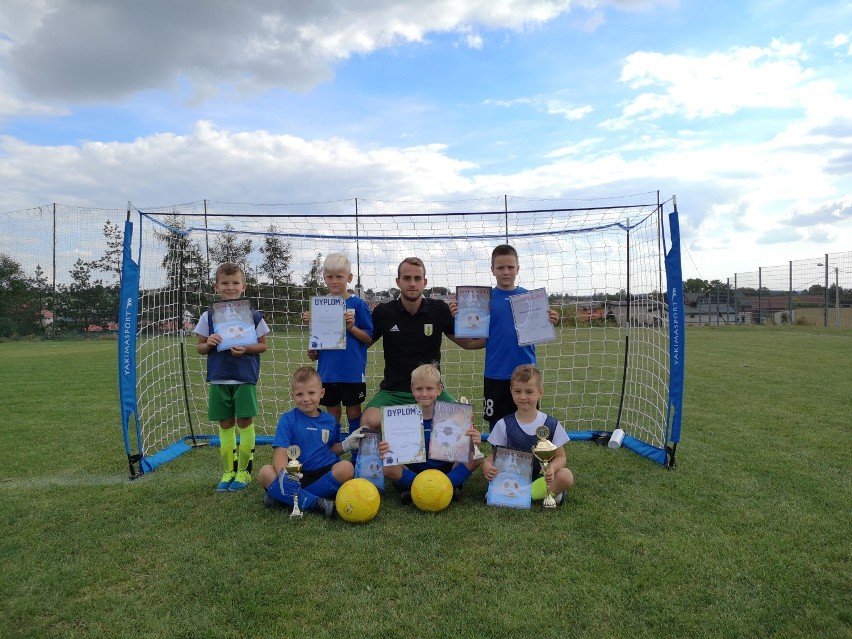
(747, 537)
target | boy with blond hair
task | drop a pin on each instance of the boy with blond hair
(426, 386)
(233, 376)
(343, 372)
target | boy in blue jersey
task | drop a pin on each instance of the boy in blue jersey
(426, 386)
(343, 372)
(233, 376)
(502, 352)
(518, 430)
(315, 433)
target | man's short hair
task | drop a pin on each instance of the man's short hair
(303, 375)
(415, 261)
(337, 263)
(230, 268)
(503, 249)
(426, 373)
(526, 373)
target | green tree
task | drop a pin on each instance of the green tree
(227, 247)
(17, 313)
(695, 285)
(182, 261)
(313, 279)
(110, 261)
(277, 255)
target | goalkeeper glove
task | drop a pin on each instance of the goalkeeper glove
(353, 441)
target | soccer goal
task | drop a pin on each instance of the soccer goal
(611, 268)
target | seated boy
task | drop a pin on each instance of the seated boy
(426, 386)
(517, 430)
(315, 433)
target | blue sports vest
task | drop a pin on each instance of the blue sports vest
(223, 365)
(518, 439)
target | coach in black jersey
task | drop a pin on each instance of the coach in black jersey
(412, 327)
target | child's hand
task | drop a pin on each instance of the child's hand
(214, 340)
(238, 351)
(553, 316)
(313, 355)
(306, 317)
(454, 308)
(350, 319)
(490, 471)
(548, 476)
(475, 435)
(384, 447)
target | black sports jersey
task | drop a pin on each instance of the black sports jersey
(410, 340)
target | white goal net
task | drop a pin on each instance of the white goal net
(601, 262)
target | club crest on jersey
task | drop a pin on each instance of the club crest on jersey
(427, 330)
(325, 435)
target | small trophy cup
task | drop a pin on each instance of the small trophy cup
(544, 451)
(294, 470)
(477, 454)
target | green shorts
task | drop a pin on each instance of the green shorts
(231, 400)
(400, 398)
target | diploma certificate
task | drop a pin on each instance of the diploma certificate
(402, 429)
(512, 487)
(449, 440)
(474, 316)
(233, 321)
(532, 324)
(328, 323)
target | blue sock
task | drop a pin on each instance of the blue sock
(408, 477)
(325, 486)
(458, 474)
(307, 499)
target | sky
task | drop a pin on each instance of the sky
(742, 109)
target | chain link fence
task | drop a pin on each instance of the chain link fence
(815, 291)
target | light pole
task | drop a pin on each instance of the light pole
(836, 291)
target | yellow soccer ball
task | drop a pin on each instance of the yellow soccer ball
(432, 491)
(357, 501)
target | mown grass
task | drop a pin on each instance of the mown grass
(748, 536)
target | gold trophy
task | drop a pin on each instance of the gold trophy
(294, 469)
(477, 454)
(544, 451)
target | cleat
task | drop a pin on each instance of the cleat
(405, 497)
(225, 483)
(242, 480)
(560, 498)
(270, 502)
(325, 507)
(456, 493)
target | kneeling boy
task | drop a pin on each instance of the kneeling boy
(315, 433)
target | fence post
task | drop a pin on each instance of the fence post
(790, 300)
(825, 296)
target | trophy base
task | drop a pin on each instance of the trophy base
(549, 502)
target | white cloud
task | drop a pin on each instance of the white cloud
(87, 50)
(568, 111)
(714, 84)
